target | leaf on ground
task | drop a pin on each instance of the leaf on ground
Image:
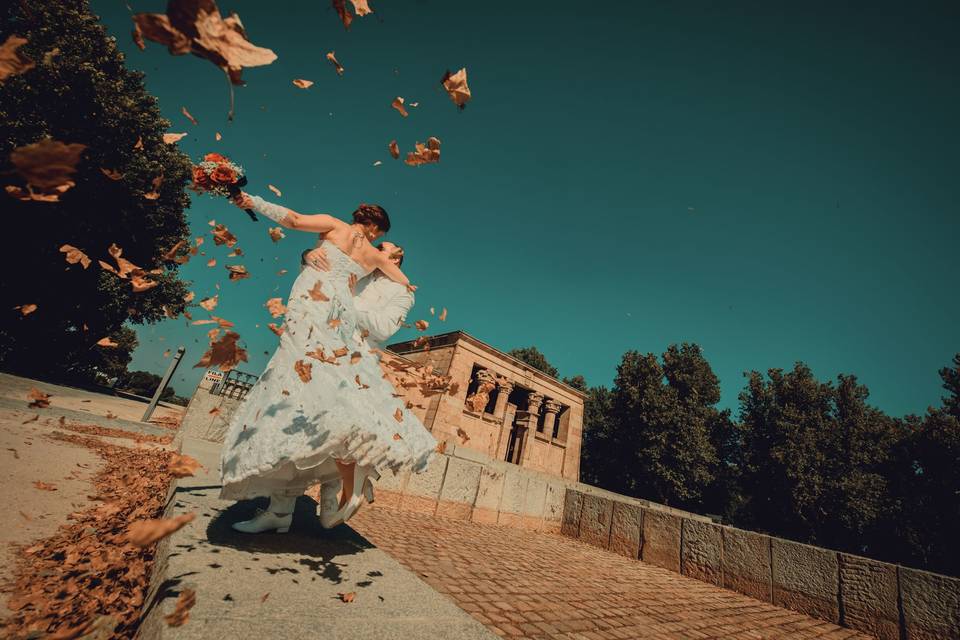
(45, 486)
(38, 399)
(348, 597)
(181, 611)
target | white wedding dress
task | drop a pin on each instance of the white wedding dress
(303, 411)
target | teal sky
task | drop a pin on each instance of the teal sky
(773, 181)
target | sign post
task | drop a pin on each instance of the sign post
(163, 384)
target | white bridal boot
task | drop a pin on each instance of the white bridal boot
(265, 521)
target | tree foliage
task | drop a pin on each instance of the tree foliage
(80, 92)
(533, 357)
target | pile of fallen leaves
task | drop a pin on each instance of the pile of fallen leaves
(89, 577)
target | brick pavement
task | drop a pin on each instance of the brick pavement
(525, 584)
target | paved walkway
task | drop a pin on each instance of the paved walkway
(535, 585)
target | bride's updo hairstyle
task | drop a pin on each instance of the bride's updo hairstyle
(372, 214)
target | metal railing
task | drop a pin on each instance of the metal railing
(235, 385)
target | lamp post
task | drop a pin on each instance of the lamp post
(163, 384)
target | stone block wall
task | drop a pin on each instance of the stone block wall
(887, 601)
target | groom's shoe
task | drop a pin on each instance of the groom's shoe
(265, 521)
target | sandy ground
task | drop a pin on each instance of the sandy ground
(27, 456)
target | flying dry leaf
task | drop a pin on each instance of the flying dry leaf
(453, 388)
(189, 296)
(141, 284)
(276, 307)
(377, 163)
(181, 611)
(139, 143)
(26, 309)
(360, 384)
(38, 399)
(155, 193)
(348, 597)
(170, 138)
(443, 315)
(224, 353)
(304, 370)
(463, 434)
(181, 465)
(398, 105)
(281, 272)
(110, 173)
(188, 116)
(277, 330)
(276, 233)
(424, 154)
(138, 37)
(421, 325)
(166, 354)
(210, 303)
(345, 16)
(274, 189)
(237, 271)
(333, 323)
(355, 357)
(217, 136)
(236, 252)
(394, 149)
(47, 164)
(336, 65)
(74, 255)
(456, 86)
(143, 533)
(45, 486)
(397, 436)
(398, 415)
(222, 235)
(302, 84)
(11, 61)
(29, 195)
(413, 104)
(107, 342)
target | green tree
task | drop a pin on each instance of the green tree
(110, 362)
(578, 382)
(533, 357)
(80, 92)
(599, 439)
(144, 383)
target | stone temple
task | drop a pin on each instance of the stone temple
(503, 408)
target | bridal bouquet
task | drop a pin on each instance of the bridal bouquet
(218, 175)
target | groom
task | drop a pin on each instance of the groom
(382, 304)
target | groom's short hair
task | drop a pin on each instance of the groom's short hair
(399, 248)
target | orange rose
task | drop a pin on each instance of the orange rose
(201, 179)
(224, 175)
(215, 157)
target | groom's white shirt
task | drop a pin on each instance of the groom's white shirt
(382, 306)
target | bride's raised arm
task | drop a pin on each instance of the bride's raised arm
(316, 223)
(391, 270)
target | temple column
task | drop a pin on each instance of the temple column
(504, 387)
(552, 408)
(534, 400)
(486, 383)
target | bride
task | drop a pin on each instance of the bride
(321, 412)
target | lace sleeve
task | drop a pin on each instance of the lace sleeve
(273, 211)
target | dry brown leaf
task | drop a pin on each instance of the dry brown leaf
(421, 325)
(110, 173)
(143, 533)
(394, 149)
(333, 323)
(345, 16)
(224, 353)
(276, 307)
(281, 272)
(181, 611)
(341, 352)
(222, 235)
(398, 415)
(453, 388)
(74, 255)
(26, 309)
(138, 37)
(45, 486)
(424, 154)
(139, 143)
(166, 354)
(264, 597)
(276, 233)
(302, 84)
(189, 296)
(155, 193)
(316, 292)
(48, 164)
(182, 465)
(212, 262)
(348, 597)
(360, 384)
(304, 370)
(141, 284)
(38, 399)
(397, 436)
(210, 303)
(107, 342)
(171, 138)
(398, 105)
(188, 116)
(443, 315)
(277, 330)
(441, 446)
(456, 86)
(236, 252)
(274, 189)
(462, 434)
(237, 271)
(336, 65)
(11, 61)
(217, 136)
(355, 357)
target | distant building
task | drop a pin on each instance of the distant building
(503, 408)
